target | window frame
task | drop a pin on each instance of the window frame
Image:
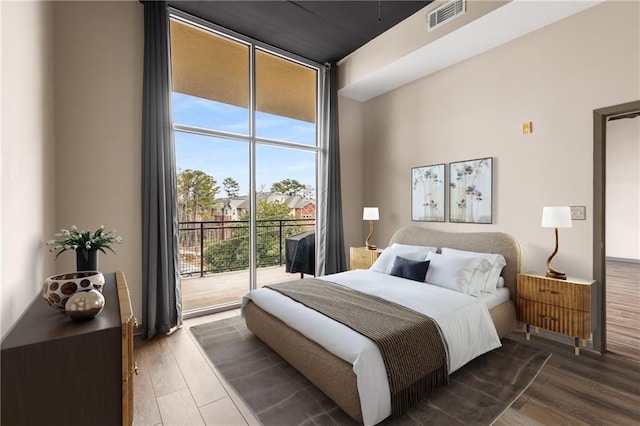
(251, 138)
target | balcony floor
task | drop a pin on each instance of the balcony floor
(216, 289)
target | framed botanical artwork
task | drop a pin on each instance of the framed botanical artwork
(428, 193)
(470, 191)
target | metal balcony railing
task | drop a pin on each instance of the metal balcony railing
(223, 246)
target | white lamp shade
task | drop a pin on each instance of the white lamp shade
(370, 213)
(556, 217)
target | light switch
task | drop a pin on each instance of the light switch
(527, 128)
(578, 213)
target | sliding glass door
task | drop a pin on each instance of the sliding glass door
(246, 151)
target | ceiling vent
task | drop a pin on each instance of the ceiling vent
(445, 13)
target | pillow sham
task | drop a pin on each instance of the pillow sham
(455, 272)
(413, 247)
(384, 262)
(497, 262)
(411, 269)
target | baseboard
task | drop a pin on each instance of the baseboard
(622, 259)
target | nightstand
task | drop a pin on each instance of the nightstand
(361, 258)
(563, 306)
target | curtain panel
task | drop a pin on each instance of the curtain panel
(161, 306)
(331, 252)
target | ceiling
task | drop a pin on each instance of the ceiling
(322, 31)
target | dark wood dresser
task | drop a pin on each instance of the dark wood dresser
(59, 372)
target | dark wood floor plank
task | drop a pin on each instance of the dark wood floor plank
(589, 389)
(623, 309)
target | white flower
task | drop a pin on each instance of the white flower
(51, 242)
(73, 227)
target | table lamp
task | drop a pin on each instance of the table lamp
(556, 217)
(370, 214)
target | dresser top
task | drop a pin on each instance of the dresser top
(40, 322)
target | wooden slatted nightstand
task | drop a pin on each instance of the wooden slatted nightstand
(563, 306)
(361, 258)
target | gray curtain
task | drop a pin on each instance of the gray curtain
(161, 304)
(331, 257)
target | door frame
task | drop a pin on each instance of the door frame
(600, 118)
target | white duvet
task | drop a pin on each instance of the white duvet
(464, 320)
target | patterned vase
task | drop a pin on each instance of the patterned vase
(57, 289)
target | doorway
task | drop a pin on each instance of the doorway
(611, 272)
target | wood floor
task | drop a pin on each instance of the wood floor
(216, 289)
(623, 309)
(177, 385)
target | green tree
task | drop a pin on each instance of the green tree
(288, 187)
(233, 253)
(231, 187)
(269, 210)
(196, 193)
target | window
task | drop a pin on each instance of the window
(245, 126)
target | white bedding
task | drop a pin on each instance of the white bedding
(464, 320)
(499, 296)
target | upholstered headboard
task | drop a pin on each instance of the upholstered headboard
(482, 242)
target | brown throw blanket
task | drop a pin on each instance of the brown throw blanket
(412, 347)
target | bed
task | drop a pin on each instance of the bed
(330, 363)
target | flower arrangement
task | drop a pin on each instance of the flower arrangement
(84, 241)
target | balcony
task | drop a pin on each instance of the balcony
(214, 258)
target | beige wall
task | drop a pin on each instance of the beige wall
(98, 103)
(353, 173)
(27, 190)
(554, 77)
(405, 38)
(623, 189)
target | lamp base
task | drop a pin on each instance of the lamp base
(371, 247)
(556, 274)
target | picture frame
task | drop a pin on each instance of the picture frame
(428, 192)
(471, 191)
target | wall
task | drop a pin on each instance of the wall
(27, 185)
(623, 189)
(98, 101)
(405, 38)
(353, 172)
(554, 77)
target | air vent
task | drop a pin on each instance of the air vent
(445, 13)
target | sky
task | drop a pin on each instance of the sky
(222, 158)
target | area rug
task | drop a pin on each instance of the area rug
(278, 395)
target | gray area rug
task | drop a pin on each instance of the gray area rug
(478, 393)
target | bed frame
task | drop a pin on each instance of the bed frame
(333, 375)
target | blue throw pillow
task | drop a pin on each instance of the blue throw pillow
(411, 269)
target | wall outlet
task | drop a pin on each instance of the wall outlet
(578, 213)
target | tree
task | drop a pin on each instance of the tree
(196, 194)
(231, 187)
(309, 192)
(288, 187)
(233, 253)
(269, 210)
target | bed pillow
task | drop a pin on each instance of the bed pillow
(413, 247)
(415, 270)
(500, 282)
(497, 262)
(384, 262)
(455, 272)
